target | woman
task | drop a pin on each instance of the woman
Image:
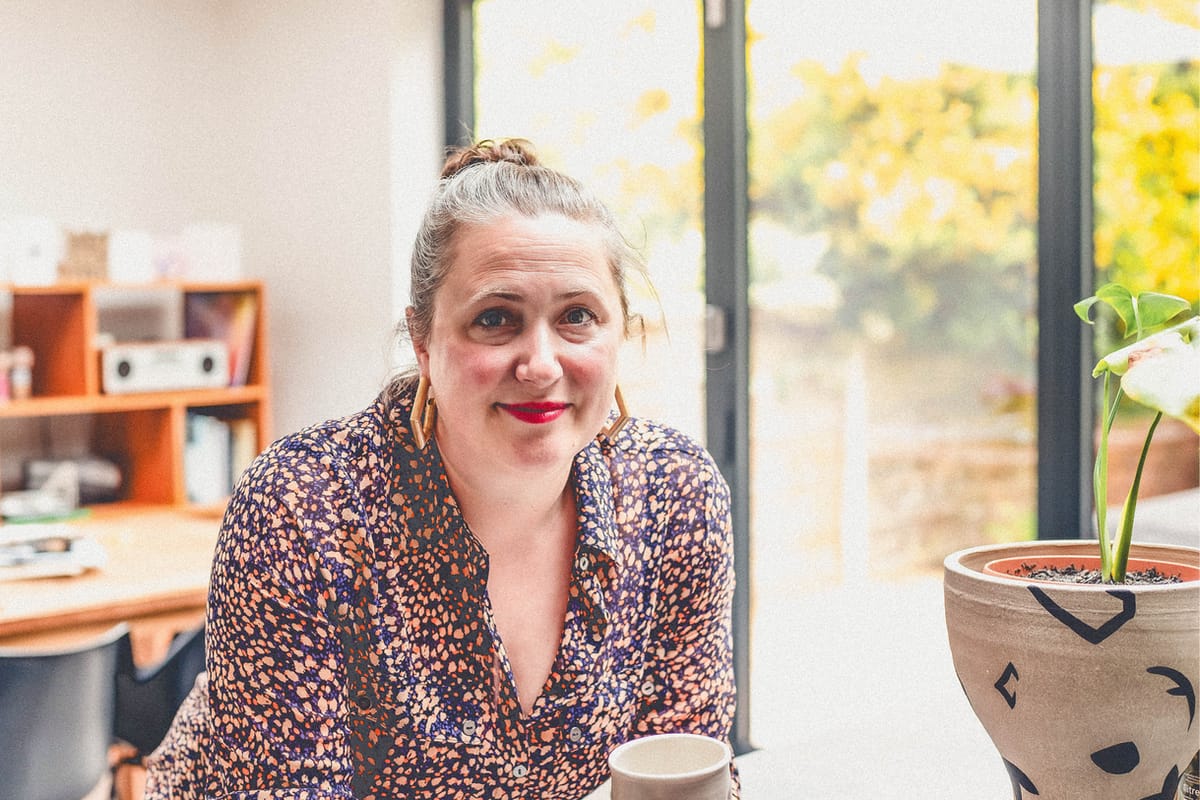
(481, 584)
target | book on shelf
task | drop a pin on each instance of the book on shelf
(243, 448)
(215, 455)
(230, 317)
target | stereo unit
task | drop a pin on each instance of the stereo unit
(164, 366)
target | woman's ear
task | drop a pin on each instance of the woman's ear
(418, 343)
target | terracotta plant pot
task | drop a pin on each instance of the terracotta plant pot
(1087, 691)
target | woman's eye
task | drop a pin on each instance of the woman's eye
(492, 318)
(578, 316)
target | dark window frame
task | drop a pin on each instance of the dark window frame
(1065, 268)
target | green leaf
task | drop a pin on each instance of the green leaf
(1140, 313)
(1155, 310)
(1112, 294)
(1083, 309)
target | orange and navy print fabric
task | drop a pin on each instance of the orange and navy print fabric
(352, 653)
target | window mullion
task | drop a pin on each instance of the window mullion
(726, 280)
(1065, 269)
(458, 77)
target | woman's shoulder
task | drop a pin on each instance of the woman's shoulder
(649, 437)
(332, 470)
(650, 448)
(336, 450)
(657, 468)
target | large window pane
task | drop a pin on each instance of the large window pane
(608, 92)
(1147, 196)
(892, 258)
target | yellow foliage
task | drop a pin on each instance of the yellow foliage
(1147, 186)
(650, 103)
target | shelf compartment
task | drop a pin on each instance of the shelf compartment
(59, 327)
(143, 443)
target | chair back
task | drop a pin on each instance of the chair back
(147, 699)
(56, 717)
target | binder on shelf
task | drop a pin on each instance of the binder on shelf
(243, 447)
(229, 316)
(206, 459)
(215, 455)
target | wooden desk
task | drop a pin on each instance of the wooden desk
(155, 579)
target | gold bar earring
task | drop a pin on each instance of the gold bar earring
(424, 414)
(610, 432)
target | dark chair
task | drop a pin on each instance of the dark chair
(56, 717)
(148, 698)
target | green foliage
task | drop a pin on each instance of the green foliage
(1162, 370)
(1141, 314)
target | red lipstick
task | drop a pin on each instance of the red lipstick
(535, 413)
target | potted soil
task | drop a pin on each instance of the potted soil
(1082, 658)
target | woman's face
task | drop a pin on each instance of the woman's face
(522, 350)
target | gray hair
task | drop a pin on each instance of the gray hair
(505, 180)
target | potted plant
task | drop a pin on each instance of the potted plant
(1088, 689)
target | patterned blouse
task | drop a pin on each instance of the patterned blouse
(352, 652)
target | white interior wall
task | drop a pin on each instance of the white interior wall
(313, 125)
(107, 111)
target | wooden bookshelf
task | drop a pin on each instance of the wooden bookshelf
(143, 433)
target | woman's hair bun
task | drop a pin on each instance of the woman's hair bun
(490, 151)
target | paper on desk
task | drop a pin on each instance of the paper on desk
(36, 531)
(24, 562)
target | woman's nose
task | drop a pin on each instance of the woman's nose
(538, 362)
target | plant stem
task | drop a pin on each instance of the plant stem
(1121, 560)
(1100, 479)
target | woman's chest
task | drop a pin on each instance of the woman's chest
(445, 719)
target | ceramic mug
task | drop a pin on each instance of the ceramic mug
(670, 766)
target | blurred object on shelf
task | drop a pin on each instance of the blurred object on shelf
(229, 316)
(58, 496)
(16, 374)
(98, 480)
(20, 377)
(86, 257)
(206, 459)
(134, 367)
(30, 249)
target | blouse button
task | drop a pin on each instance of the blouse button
(520, 770)
(469, 727)
(584, 563)
(647, 687)
(363, 701)
(575, 734)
